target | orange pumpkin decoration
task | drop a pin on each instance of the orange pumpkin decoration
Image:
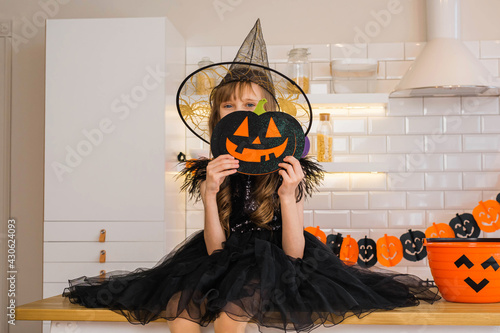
(389, 250)
(487, 215)
(440, 230)
(466, 269)
(316, 232)
(349, 250)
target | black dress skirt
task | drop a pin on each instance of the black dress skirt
(250, 279)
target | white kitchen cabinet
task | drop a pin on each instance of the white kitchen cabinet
(107, 150)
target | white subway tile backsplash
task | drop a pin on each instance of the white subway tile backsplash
(308, 218)
(395, 162)
(490, 195)
(405, 144)
(368, 144)
(194, 54)
(439, 143)
(490, 49)
(406, 219)
(482, 143)
(396, 69)
(278, 53)
(424, 125)
(229, 53)
(340, 51)
(321, 200)
(413, 49)
(481, 180)
(490, 124)
(386, 86)
(441, 106)
(340, 144)
(462, 162)
(443, 181)
(406, 181)
(425, 200)
(319, 87)
(188, 233)
(335, 182)
(350, 159)
(386, 51)
(424, 162)
(332, 218)
(349, 200)
(422, 272)
(386, 125)
(344, 126)
(440, 216)
(473, 46)
(491, 162)
(317, 52)
(461, 124)
(465, 200)
(381, 70)
(195, 219)
(480, 105)
(367, 181)
(368, 219)
(405, 106)
(387, 200)
(321, 71)
(491, 65)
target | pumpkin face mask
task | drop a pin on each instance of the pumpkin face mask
(259, 140)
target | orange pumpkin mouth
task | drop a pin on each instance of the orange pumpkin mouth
(255, 155)
(492, 222)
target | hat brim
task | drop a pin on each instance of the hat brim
(193, 96)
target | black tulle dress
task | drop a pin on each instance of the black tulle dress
(250, 278)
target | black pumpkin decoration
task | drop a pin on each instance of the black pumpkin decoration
(465, 226)
(367, 252)
(334, 242)
(498, 197)
(413, 245)
(258, 141)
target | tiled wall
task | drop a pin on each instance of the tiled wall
(443, 153)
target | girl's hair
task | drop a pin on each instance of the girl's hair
(264, 190)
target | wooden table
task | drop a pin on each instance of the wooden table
(58, 309)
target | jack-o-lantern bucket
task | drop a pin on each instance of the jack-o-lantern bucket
(466, 270)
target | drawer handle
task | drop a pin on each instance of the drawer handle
(102, 257)
(102, 235)
(102, 274)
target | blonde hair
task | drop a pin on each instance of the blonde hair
(264, 191)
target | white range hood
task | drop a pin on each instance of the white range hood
(445, 67)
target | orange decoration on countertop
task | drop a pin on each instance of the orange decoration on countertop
(389, 250)
(316, 232)
(349, 250)
(487, 215)
(440, 230)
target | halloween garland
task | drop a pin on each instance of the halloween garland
(390, 250)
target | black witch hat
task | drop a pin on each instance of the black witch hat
(250, 64)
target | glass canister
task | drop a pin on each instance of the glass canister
(324, 139)
(205, 80)
(298, 67)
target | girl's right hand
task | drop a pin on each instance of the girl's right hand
(217, 170)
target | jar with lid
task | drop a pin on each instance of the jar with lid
(298, 68)
(205, 80)
(324, 138)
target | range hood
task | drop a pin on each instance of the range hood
(445, 67)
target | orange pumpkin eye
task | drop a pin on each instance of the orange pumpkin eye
(242, 129)
(272, 130)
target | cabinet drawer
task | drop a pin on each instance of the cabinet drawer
(90, 251)
(62, 272)
(115, 231)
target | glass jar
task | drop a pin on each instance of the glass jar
(205, 80)
(298, 68)
(324, 139)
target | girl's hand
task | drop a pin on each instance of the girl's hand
(217, 170)
(292, 176)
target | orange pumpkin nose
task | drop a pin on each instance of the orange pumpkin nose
(256, 141)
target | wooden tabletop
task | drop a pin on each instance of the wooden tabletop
(59, 308)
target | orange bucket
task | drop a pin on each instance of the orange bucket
(466, 270)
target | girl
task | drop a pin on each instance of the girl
(252, 262)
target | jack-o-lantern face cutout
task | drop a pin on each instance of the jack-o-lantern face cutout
(349, 250)
(413, 245)
(440, 230)
(334, 242)
(259, 142)
(367, 252)
(389, 250)
(477, 286)
(487, 215)
(464, 226)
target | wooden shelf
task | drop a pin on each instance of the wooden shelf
(349, 99)
(441, 312)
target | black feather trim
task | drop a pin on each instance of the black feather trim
(313, 177)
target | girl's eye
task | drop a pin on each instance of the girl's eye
(227, 106)
(250, 105)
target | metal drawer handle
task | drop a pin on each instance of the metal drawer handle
(102, 257)
(102, 274)
(102, 235)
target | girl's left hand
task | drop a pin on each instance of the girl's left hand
(292, 176)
